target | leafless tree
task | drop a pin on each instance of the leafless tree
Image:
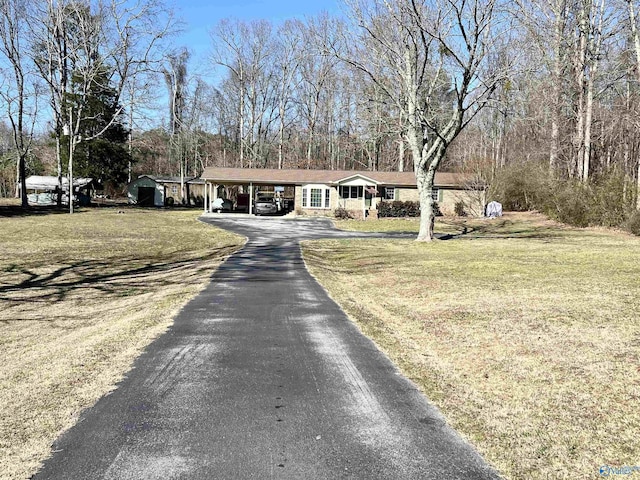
(432, 60)
(175, 76)
(633, 27)
(19, 90)
(247, 51)
(287, 65)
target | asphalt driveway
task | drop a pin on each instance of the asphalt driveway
(263, 376)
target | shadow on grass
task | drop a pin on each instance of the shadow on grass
(504, 229)
(127, 277)
(9, 211)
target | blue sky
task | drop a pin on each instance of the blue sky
(200, 16)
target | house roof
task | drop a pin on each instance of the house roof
(48, 182)
(271, 176)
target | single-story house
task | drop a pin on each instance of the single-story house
(43, 189)
(320, 192)
(155, 191)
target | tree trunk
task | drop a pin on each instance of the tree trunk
(581, 83)
(634, 34)
(586, 143)
(595, 42)
(560, 21)
(281, 134)
(59, 166)
(638, 189)
(22, 169)
(71, 149)
(636, 44)
(427, 214)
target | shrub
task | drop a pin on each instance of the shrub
(342, 214)
(633, 223)
(459, 209)
(570, 204)
(169, 202)
(529, 186)
(607, 200)
(398, 209)
(521, 187)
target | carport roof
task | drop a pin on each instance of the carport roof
(270, 176)
(44, 182)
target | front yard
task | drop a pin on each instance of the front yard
(525, 333)
(80, 297)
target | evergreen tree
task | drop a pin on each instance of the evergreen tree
(105, 157)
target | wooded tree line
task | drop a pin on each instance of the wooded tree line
(470, 85)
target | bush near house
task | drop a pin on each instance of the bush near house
(398, 209)
(459, 209)
(342, 214)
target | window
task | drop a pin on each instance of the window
(389, 193)
(316, 196)
(435, 195)
(174, 189)
(351, 192)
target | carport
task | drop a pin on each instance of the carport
(249, 179)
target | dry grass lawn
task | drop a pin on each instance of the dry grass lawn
(9, 202)
(525, 333)
(80, 297)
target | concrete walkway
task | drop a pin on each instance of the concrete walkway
(263, 376)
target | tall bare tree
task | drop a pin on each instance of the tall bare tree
(287, 63)
(438, 52)
(19, 89)
(175, 76)
(633, 26)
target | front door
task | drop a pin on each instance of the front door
(367, 198)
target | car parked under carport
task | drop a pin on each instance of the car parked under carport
(265, 205)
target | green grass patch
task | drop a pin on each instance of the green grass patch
(525, 334)
(80, 296)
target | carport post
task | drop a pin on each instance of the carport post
(250, 198)
(206, 185)
(364, 202)
(214, 193)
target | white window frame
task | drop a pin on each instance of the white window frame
(325, 196)
(385, 194)
(435, 195)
